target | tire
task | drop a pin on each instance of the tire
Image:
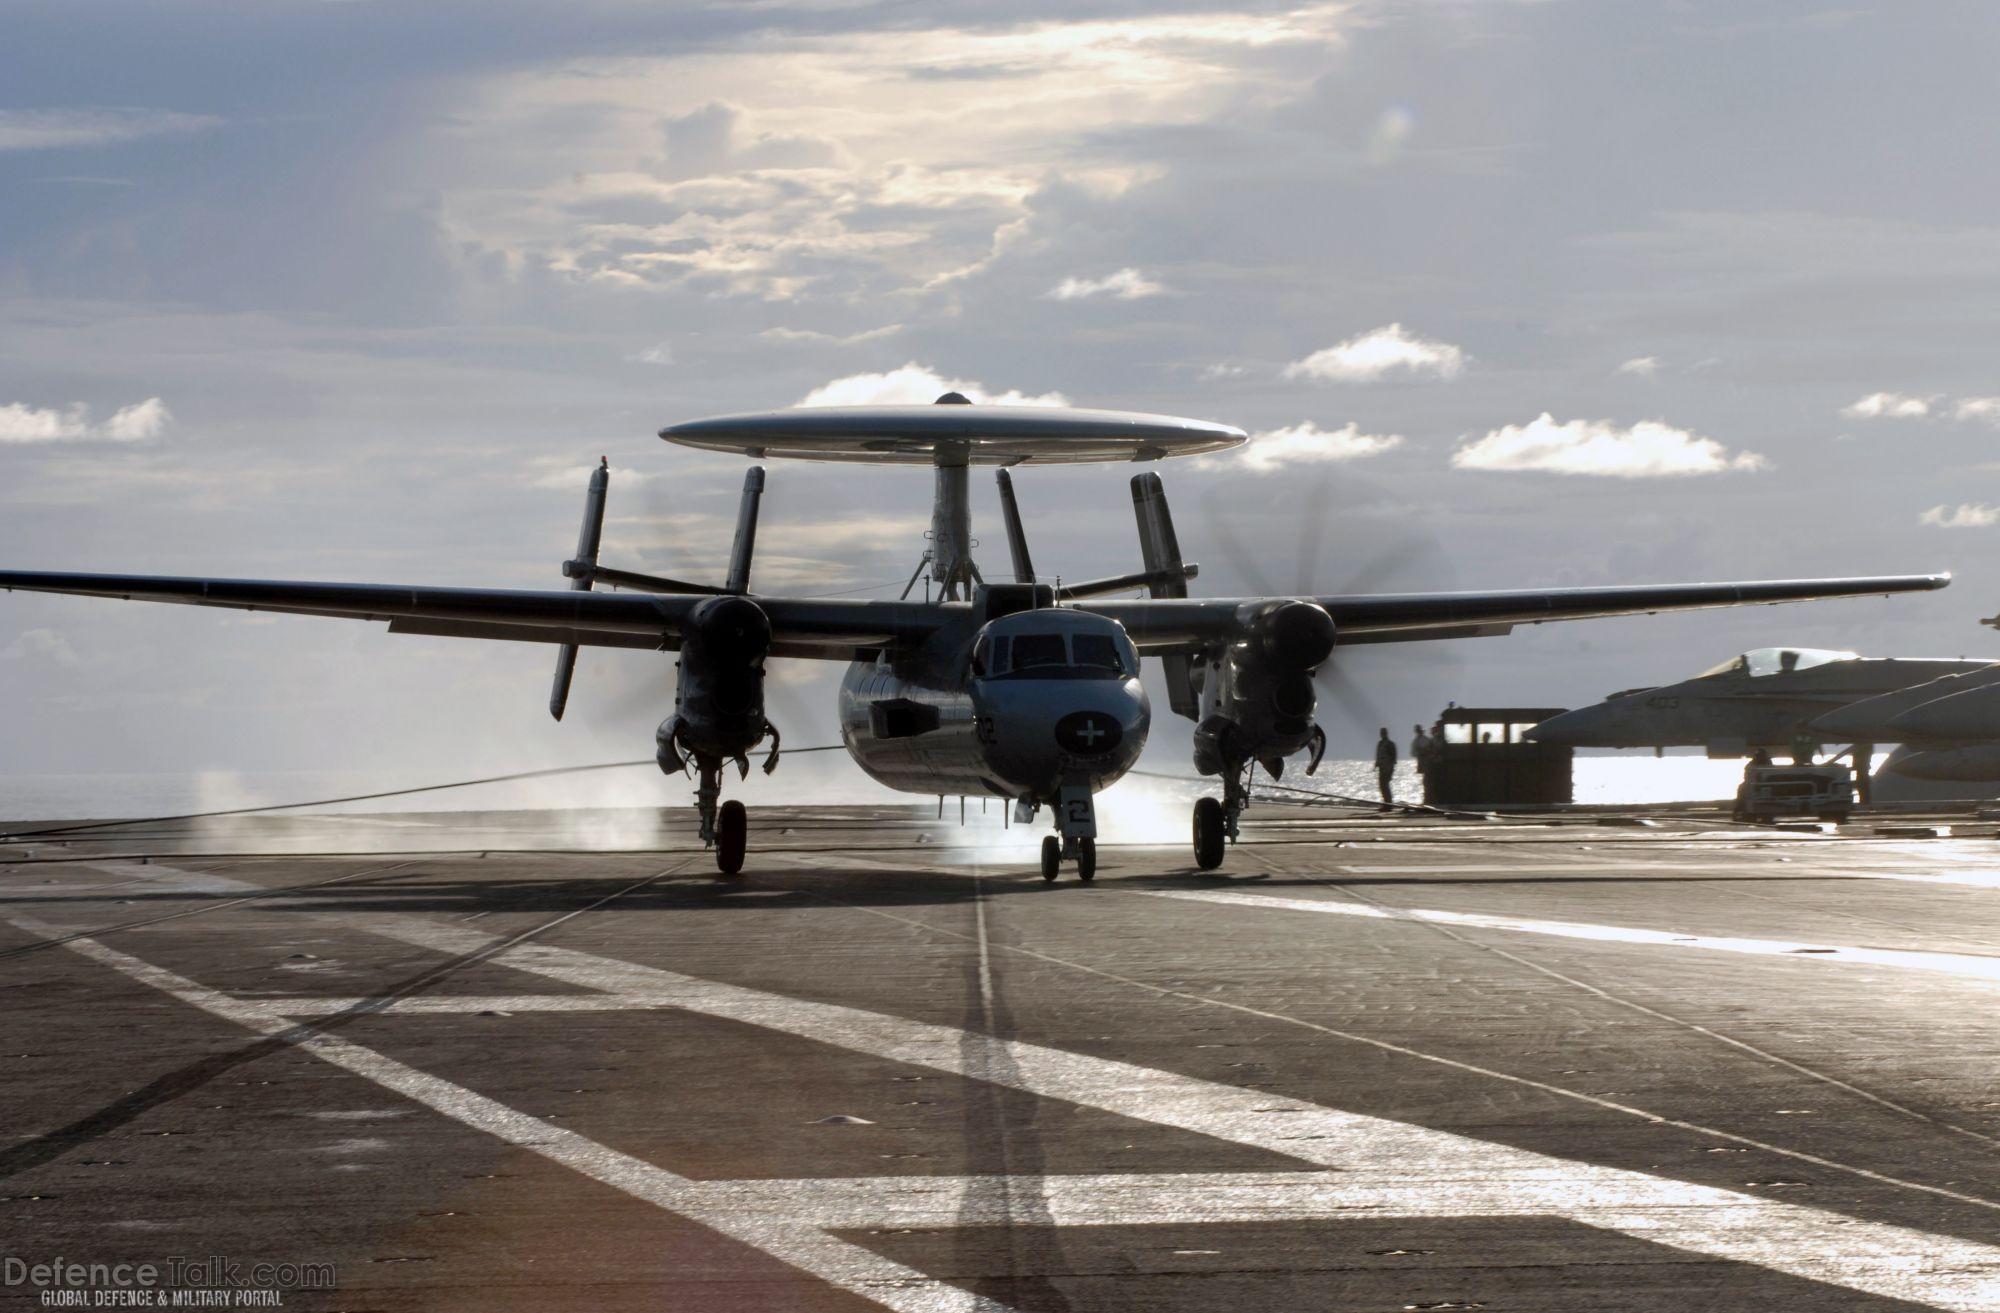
(1208, 835)
(1051, 857)
(1086, 860)
(732, 837)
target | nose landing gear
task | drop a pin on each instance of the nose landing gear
(1076, 818)
(1056, 851)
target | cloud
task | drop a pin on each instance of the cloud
(915, 384)
(55, 129)
(1985, 409)
(1307, 443)
(1124, 285)
(782, 334)
(1648, 449)
(1390, 135)
(856, 166)
(1966, 515)
(1643, 366)
(568, 474)
(138, 422)
(1888, 405)
(1377, 353)
(40, 643)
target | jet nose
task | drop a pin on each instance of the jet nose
(1586, 727)
(1036, 733)
(1973, 714)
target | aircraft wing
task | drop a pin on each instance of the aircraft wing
(1191, 625)
(829, 628)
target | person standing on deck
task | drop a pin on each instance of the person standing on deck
(1385, 767)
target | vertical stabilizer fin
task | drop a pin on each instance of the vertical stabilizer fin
(579, 569)
(1017, 541)
(745, 545)
(1160, 550)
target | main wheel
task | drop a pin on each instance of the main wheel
(1208, 835)
(732, 836)
(1051, 857)
(1086, 859)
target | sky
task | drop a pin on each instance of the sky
(1511, 295)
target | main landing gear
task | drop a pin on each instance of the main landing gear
(1215, 823)
(725, 826)
(1055, 851)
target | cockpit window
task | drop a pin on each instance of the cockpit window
(1035, 650)
(1778, 661)
(1095, 651)
(1784, 660)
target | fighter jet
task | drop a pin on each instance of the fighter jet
(1022, 691)
(1759, 699)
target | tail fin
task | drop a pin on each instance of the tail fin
(1161, 552)
(1017, 542)
(579, 570)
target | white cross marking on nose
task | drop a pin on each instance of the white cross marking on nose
(1090, 734)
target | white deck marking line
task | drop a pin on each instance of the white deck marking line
(807, 1248)
(1956, 964)
(1168, 1198)
(1745, 869)
(1433, 1166)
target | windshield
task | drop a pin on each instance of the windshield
(1066, 656)
(1035, 650)
(1096, 651)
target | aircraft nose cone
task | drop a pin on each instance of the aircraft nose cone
(1586, 727)
(1974, 714)
(1088, 734)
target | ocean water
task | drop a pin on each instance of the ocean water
(1632, 778)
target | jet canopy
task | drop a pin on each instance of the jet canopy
(1777, 661)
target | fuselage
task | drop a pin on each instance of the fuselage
(1022, 708)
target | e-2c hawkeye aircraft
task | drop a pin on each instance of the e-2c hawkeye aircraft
(1018, 690)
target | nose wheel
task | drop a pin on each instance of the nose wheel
(1054, 851)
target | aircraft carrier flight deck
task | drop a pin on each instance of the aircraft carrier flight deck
(1641, 1062)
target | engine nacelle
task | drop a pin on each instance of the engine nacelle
(719, 696)
(1257, 694)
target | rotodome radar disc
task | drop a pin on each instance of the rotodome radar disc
(987, 435)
